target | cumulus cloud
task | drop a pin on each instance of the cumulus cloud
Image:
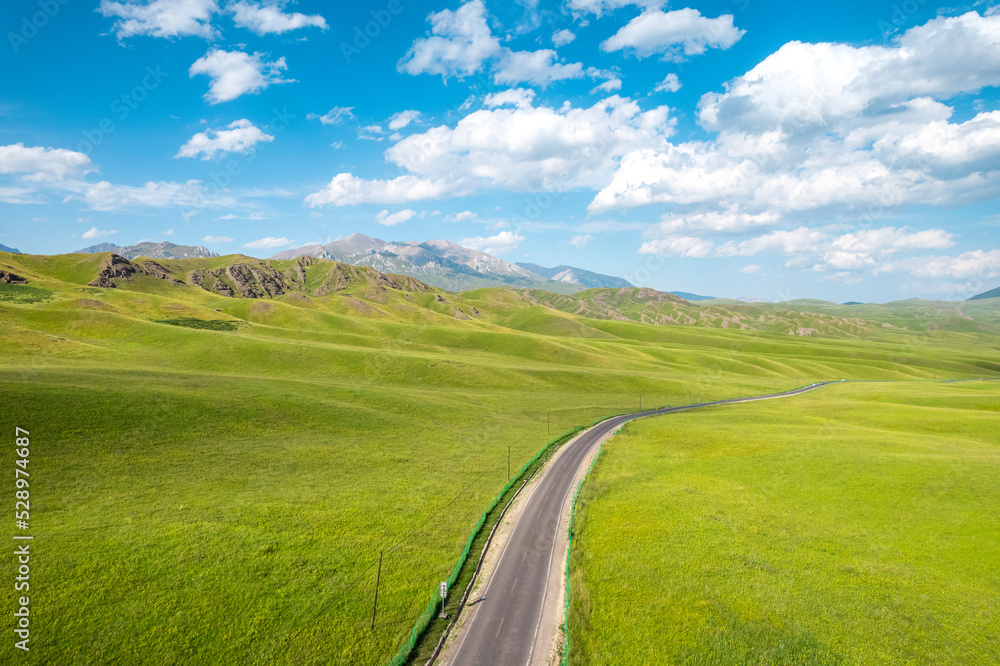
(611, 85)
(402, 119)
(36, 163)
(334, 116)
(842, 129)
(519, 97)
(240, 137)
(522, 149)
(505, 241)
(235, 73)
(562, 37)
(459, 43)
(845, 256)
(345, 190)
(669, 84)
(94, 232)
(268, 243)
(272, 19)
(464, 216)
(388, 219)
(683, 32)
(162, 18)
(216, 239)
(581, 240)
(538, 67)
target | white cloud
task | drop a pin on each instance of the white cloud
(271, 19)
(464, 216)
(581, 240)
(751, 269)
(599, 7)
(829, 127)
(94, 232)
(334, 116)
(240, 137)
(460, 42)
(610, 85)
(216, 239)
(388, 219)
(521, 149)
(268, 243)
(675, 33)
(845, 257)
(825, 85)
(976, 264)
(527, 148)
(236, 73)
(402, 119)
(505, 241)
(168, 232)
(19, 195)
(538, 67)
(346, 190)
(519, 97)
(162, 18)
(36, 163)
(105, 196)
(669, 84)
(680, 246)
(562, 37)
(371, 133)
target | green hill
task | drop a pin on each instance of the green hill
(241, 438)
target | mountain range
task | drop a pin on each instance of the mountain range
(162, 250)
(572, 275)
(992, 293)
(12, 250)
(447, 265)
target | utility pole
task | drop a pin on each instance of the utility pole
(377, 580)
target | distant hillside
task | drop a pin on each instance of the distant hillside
(161, 250)
(440, 263)
(687, 296)
(256, 290)
(992, 293)
(12, 250)
(573, 275)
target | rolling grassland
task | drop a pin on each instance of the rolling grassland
(854, 525)
(214, 476)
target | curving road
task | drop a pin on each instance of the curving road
(509, 625)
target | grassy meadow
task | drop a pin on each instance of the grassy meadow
(857, 524)
(213, 478)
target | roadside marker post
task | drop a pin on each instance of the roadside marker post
(444, 595)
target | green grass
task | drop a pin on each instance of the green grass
(858, 524)
(221, 496)
(22, 293)
(207, 324)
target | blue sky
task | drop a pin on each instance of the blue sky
(837, 150)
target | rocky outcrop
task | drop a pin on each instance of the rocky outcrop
(11, 278)
(257, 280)
(247, 280)
(113, 267)
(153, 269)
(346, 276)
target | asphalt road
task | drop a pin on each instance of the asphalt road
(504, 628)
